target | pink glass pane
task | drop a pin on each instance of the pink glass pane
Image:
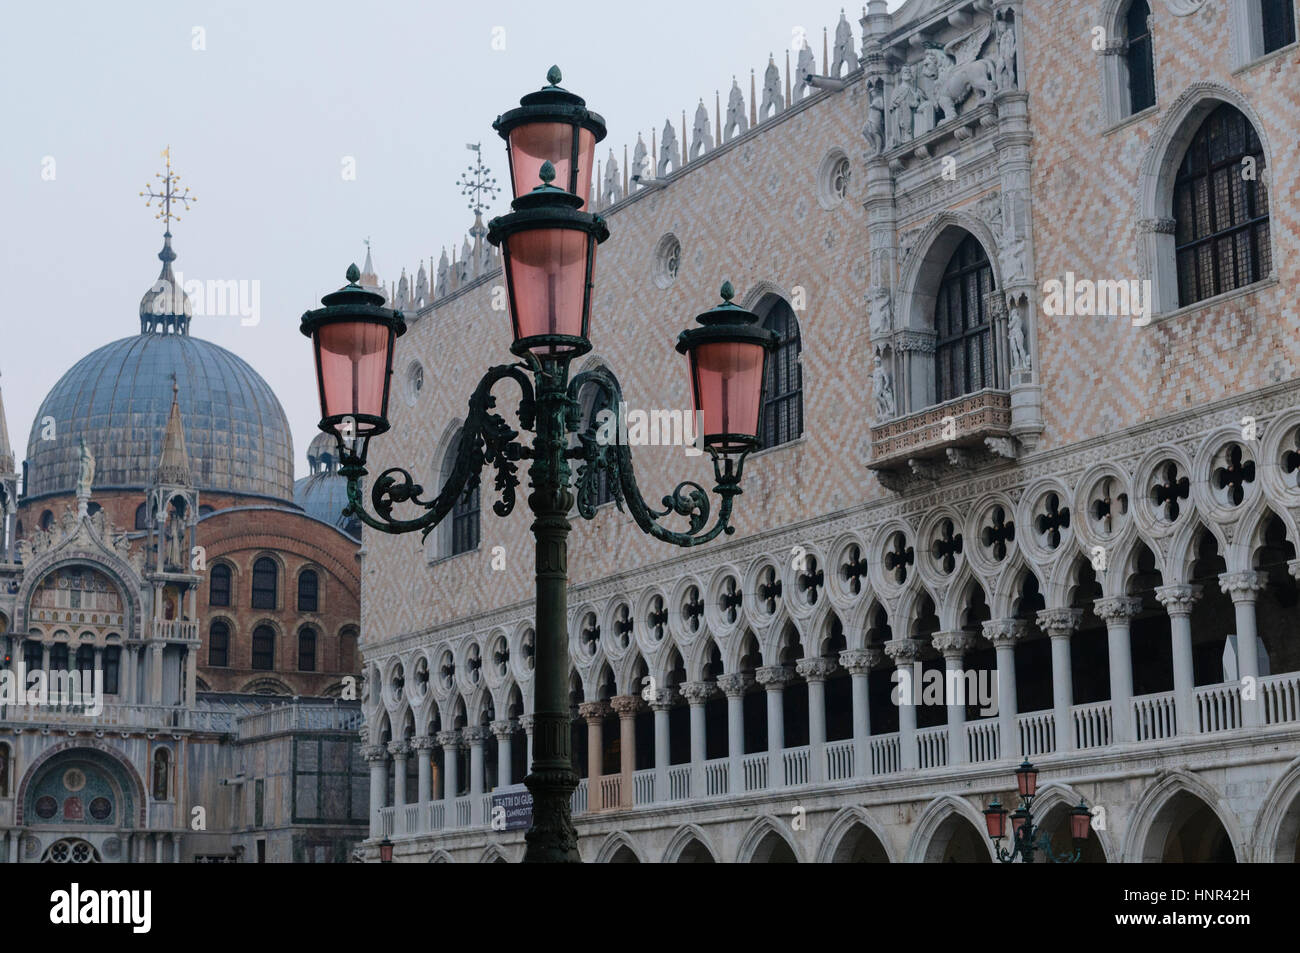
(548, 277)
(534, 143)
(352, 361)
(728, 384)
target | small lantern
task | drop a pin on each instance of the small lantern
(549, 247)
(1018, 819)
(995, 817)
(353, 337)
(1080, 822)
(1027, 779)
(553, 125)
(727, 356)
(385, 851)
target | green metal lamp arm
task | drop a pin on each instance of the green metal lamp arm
(485, 439)
(688, 499)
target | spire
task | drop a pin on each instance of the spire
(174, 462)
(165, 308)
(6, 448)
(369, 280)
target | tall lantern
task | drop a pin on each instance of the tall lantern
(552, 125)
(727, 355)
(353, 338)
(549, 248)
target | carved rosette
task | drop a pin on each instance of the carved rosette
(953, 645)
(1117, 609)
(1059, 623)
(1178, 600)
(860, 661)
(815, 669)
(735, 684)
(774, 677)
(697, 693)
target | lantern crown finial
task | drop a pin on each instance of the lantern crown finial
(547, 173)
(553, 76)
(728, 292)
(353, 274)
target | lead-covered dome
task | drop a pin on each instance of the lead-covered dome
(118, 397)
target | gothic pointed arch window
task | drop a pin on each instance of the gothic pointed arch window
(266, 576)
(1221, 209)
(1139, 58)
(963, 353)
(782, 419)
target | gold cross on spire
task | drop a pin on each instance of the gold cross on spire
(168, 193)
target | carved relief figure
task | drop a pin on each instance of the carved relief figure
(1006, 56)
(843, 55)
(883, 388)
(773, 101)
(807, 66)
(669, 154)
(613, 184)
(701, 138)
(874, 130)
(1011, 255)
(881, 312)
(1016, 340)
(175, 541)
(905, 99)
(736, 124)
(958, 71)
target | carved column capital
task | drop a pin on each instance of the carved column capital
(860, 661)
(1060, 623)
(593, 711)
(774, 677)
(697, 693)
(502, 729)
(661, 699)
(1117, 608)
(953, 645)
(1242, 586)
(399, 749)
(374, 753)
(422, 743)
(904, 651)
(815, 669)
(449, 740)
(625, 706)
(735, 684)
(1178, 600)
(475, 735)
(1005, 631)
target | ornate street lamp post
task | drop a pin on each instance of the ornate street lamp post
(548, 243)
(1026, 838)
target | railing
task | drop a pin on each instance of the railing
(717, 777)
(1281, 697)
(610, 789)
(839, 760)
(884, 754)
(965, 421)
(126, 716)
(411, 819)
(461, 812)
(579, 803)
(295, 717)
(386, 821)
(1092, 725)
(795, 762)
(932, 747)
(754, 770)
(982, 740)
(1037, 733)
(485, 806)
(679, 782)
(1153, 717)
(1218, 707)
(437, 815)
(643, 787)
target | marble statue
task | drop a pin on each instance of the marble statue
(773, 101)
(883, 388)
(958, 71)
(701, 137)
(874, 130)
(1011, 255)
(881, 312)
(1006, 56)
(902, 103)
(176, 541)
(669, 152)
(736, 123)
(1016, 340)
(86, 475)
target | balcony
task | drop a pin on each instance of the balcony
(964, 433)
(142, 717)
(176, 630)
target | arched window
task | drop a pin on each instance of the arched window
(33, 655)
(265, 583)
(783, 377)
(1138, 57)
(162, 770)
(59, 657)
(112, 669)
(47, 520)
(964, 361)
(308, 590)
(218, 644)
(1221, 236)
(142, 516)
(219, 585)
(348, 650)
(264, 648)
(1277, 23)
(86, 664)
(307, 650)
(464, 512)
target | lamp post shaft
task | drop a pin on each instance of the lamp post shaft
(552, 838)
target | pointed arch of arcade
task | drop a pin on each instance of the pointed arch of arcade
(942, 809)
(612, 844)
(758, 832)
(494, 855)
(843, 824)
(1055, 796)
(683, 838)
(1277, 828)
(1148, 829)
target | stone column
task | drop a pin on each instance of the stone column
(155, 674)
(450, 742)
(1118, 613)
(697, 695)
(594, 714)
(734, 685)
(774, 678)
(953, 646)
(475, 737)
(1244, 589)
(626, 707)
(377, 756)
(1060, 625)
(662, 703)
(157, 848)
(526, 723)
(859, 663)
(423, 747)
(176, 848)
(503, 730)
(1004, 634)
(400, 751)
(1178, 602)
(903, 653)
(815, 671)
(192, 676)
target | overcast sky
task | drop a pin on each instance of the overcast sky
(260, 121)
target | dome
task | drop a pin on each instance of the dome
(118, 397)
(324, 493)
